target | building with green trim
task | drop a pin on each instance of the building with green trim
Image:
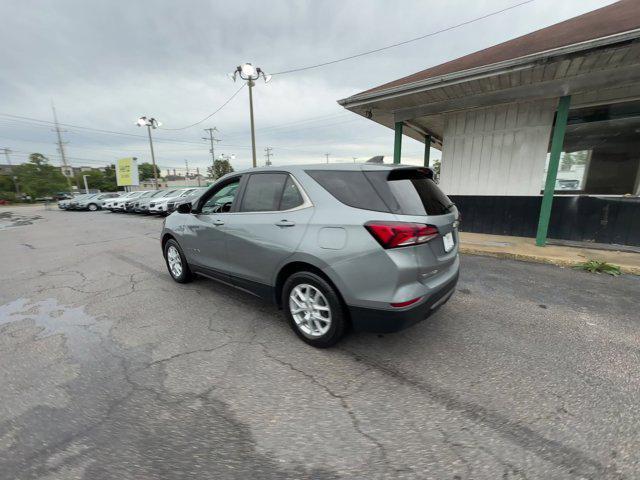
(540, 135)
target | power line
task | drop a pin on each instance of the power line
(211, 114)
(98, 130)
(404, 42)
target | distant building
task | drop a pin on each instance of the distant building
(190, 181)
(150, 184)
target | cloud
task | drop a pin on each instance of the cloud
(106, 63)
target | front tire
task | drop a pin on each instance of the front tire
(177, 262)
(314, 309)
(93, 207)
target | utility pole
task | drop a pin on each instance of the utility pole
(198, 174)
(327, 156)
(61, 146)
(186, 175)
(268, 154)
(7, 151)
(212, 139)
(86, 187)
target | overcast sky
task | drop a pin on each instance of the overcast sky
(106, 63)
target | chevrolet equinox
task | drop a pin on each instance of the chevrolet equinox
(367, 246)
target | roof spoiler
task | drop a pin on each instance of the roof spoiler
(376, 159)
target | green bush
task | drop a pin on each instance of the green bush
(8, 196)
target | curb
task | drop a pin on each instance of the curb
(536, 259)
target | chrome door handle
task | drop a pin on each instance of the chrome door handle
(285, 223)
(218, 222)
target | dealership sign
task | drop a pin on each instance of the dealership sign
(127, 172)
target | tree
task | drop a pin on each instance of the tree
(573, 158)
(39, 179)
(220, 168)
(109, 181)
(96, 179)
(145, 170)
(436, 166)
(6, 184)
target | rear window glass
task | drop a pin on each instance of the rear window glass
(410, 192)
(350, 187)
(401, 191)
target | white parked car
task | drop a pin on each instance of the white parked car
(159, 205)
(117, 204)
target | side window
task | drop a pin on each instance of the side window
(263, 192)
(350, 187)
(222, 199)
(291, 197)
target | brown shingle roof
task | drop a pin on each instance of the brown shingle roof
(619, 17)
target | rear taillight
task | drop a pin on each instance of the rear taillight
(401, 234)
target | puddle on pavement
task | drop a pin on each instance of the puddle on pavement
(82, 333)
(11, 220)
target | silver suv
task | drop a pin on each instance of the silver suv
(374, 247)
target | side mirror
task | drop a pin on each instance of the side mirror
(184, 208)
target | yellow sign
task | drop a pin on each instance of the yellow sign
(127, 172)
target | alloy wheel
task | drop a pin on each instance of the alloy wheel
(175, 261)
(310, 310)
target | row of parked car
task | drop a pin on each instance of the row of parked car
(161, 202)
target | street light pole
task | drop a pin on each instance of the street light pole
(253, 129)
(153, 157)
(250, 74)
(151, 123)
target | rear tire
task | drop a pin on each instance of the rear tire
(314, 309)
(177, 262)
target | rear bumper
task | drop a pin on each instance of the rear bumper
(387, 321)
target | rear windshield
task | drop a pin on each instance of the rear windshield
(401, 191)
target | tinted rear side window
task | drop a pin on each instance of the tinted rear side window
(410, 192)
(350, 187)
(263, 192)
(291, 197)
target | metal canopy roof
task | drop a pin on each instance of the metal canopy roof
(594, 56)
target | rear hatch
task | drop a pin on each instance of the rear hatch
(413, 196)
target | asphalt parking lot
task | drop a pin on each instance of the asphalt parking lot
(109, 369)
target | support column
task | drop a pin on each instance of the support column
(397, 145)
(427, 149)
(552, 172)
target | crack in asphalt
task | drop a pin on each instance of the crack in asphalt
(384, 457)
(550, 450)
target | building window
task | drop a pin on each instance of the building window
(601, 151)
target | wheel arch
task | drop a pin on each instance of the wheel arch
(302, 266)
(165, 238)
